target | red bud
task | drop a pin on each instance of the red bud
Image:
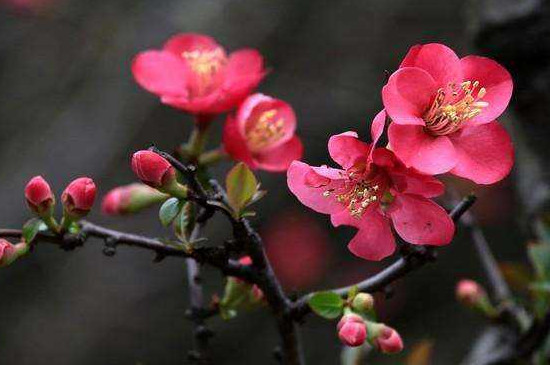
(469, 292)
(352, 330)
(152, 169)
(389, 341)
(39, 196)
(78, 198)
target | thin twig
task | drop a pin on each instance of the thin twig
(416, 259)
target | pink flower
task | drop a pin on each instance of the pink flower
(193, 73)
(352, 330)
(39, 196)
(262, 134)
(7, 252)
(469, 292)
(130, 198)
(444, 112)
(78, 197)
(389, 341)
(373, 192)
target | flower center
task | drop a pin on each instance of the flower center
(267, 130)
(359, 191)
(206, 65)
(454, 105)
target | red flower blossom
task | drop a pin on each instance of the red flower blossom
(444, 112)
(193, 73)
(372, 192)
(262, 134)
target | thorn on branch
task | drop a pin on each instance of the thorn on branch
(109, 249)
(159, 256)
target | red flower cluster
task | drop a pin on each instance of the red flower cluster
(193, 73)
(442, 112)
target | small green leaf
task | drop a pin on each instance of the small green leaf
(328, 305)
(169, 211)
(31, 229)
(241, 187)
(541, 287)
(181, 223)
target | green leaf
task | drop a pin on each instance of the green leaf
(181, 223)
(169, 211)
(328, 305)
(539, 254)
(31, 229)
(541, 287)
(241, 186)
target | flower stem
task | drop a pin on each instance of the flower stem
(212, 157)
(198, 137)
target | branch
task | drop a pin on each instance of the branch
(201, 334)
(413, 260)
(499, 289)
(248, 239)
(213, 256)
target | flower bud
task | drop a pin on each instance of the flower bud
(130, 199)
(153, 170)
(78, 198)
(39, 196)
(363, 302)
(352, 330)
(469, 292)
(10, 252)
(389, 341)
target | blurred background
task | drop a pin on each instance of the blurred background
(69, 107)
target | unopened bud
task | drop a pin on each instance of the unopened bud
(389, 341)
(130, 199)
(39, 196)
(78, 198)
(352, 330)
(155, 171)
(469, 292)
(363, 302)
(9, 252)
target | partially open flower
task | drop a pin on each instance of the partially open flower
(193, 73)
(352, 330)
(389, 341)
(444, 112)
(130, 198)
(39, 196)
(78, 198)
(262, 134)
(373, 192)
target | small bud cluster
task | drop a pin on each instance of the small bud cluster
(357, 326)
(240, 295)
(77, 199)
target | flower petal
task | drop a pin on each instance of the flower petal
(377, 126)
(346, 149)
(160, 72)
(309, 183)
(485, 153)
(280, 158)
(438, 60)
(374, 240)
(235, 144)
(408, 94)
(409, 181)
(421, 221)
(189, 42)
(428, 154)
(495, 79)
